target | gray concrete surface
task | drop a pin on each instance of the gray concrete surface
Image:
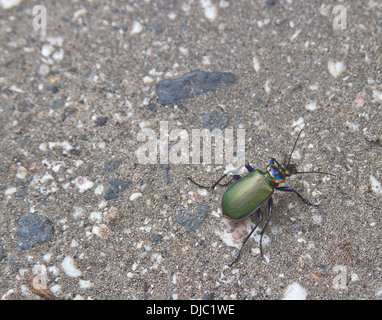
(74, 96)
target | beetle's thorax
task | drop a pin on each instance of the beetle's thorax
(276, 174)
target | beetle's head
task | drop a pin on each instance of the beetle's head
(289, 169)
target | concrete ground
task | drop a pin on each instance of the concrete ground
(81, 217)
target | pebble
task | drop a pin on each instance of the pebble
(9, 4)
(83, 184)
(336, 68)
(172, 91)
(295, 292)
(375, 186)
(210, 11)
(135, 196)
(68, 265)
(21, 173)
(34, 229)
(136, 28)
(102, 231)
(377, 96)
(116, 186)
(311, 106)
(215, 120)
(192, 220)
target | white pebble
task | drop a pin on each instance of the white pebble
(10, 191)
(210, 11)
(295, 35)
(21, 172)
(70, 268)
(202, 192)
(294, 292)
(266, 87)
(83, 184)
(377, 96)
(79, 13)
(336, 68)
(9, 4)
(47, 50)
(256, 64)
(136, 28)
(135, 195)
(311, 106)
(85, 284)
(58, 55)
(376, 187)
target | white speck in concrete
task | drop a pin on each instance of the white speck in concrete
(295, 35)
(210, 10)
(375, 186)
(63, 145)
(10, 191)
(267, 87)
(311, 106)
(336, 68)
(47, 50)
(9, 4)
(83, 184)
(98, 190)
(135, 196)
(203, 192)
(79, 13)
(85, 284)
(68, 265)
(256, 64)
(136, 28)
(377, 96)
(21, 173)
(295, 292)
(102, 231)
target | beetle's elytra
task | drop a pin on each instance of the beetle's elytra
(249, 193)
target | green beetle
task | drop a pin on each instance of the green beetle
(248, 194)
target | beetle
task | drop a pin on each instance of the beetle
(247, 195)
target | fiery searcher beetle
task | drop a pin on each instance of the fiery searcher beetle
(249, 193)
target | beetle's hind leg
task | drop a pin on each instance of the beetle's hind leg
(236, 176)
(270, 207)
(248, 236)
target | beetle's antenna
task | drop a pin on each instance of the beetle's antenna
(330, 174)
(290, 156)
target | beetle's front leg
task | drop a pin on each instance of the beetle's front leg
(289, 189)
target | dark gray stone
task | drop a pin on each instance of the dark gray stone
(192, 84)
(34, 229)
(215, 120)
(116, 186)
(192, 220)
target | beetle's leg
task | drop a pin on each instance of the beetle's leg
(247, 237)
(270, 207)
(289, 189)
(249, 168)
(273, 160)
(237, 177)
